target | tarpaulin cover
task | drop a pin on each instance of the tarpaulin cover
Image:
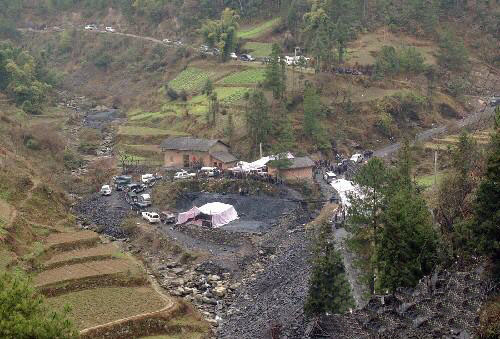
(221, 214)
(345, 188)
(183, 217)
(244, 166)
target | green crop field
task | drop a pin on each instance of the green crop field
(257, 31)
(191, 79)
(249, 76)
(259, 49)
(146, 131)
(229, 95)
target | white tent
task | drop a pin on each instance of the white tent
(345, 188)
(244, 166)
(221, 214)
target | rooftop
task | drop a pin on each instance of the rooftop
(225, 157)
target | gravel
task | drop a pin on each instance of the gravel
(105, 212)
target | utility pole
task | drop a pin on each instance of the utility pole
(435, 166)
(260, 149)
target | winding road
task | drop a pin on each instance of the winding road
(470, 120)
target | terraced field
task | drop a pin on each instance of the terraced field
(258, 30)
(190, 79)
(99, 251)
(259, 49)
(102, 305)
(249, 76)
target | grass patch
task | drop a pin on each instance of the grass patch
(191, 79)
(145, 116)
(147, 131)
(259, 49)
(259, 30)
(249, 76)
(102, 305)
(427, 181)
(229, 95)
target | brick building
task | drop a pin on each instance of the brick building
(300, 168)
(180, 152)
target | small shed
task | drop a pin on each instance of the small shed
(299, 168)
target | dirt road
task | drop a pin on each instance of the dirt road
(470, 120)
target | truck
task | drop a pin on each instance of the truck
(184, 175)
(329, 177)
(356, 158)
(143, 200)
(121, 181)
(151, 217)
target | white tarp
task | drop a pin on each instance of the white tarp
(221, 214)
(245, 167)
(344, 188)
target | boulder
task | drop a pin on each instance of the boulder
(220, 291)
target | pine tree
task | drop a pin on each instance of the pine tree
(407, 244)
(23, 313)
(311, 111)
(329, 289)
(258, 122)
(275, 78)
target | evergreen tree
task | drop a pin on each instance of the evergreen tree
(275, 73)
(23, 313)
(329, 289)
(312, 108)
(453, 53)
(258, 121)
(222, 33)
(406, 246)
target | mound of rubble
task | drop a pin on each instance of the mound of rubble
(103, 214)
(272, 296)
(444, 305)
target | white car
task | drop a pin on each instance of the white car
(147, 178)
(184, 175)
(91, 27)
(167, 41)
(208, 171)
(357, 158)
(110, 29)
(329, 177)
(152, 217)
(233, 56)
(105, 190)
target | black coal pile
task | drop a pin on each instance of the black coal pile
(257, 213)
(100, 116)
(443, 305)
(271, 298)
(105, 212)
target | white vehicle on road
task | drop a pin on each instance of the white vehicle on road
(356, 158)
(152, 217)
(184, 175)
(91, 27)
(105, 190)
(167, 41)
(233, 56)
(329, 177)
(147, 178)
(110, 29)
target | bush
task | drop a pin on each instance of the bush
(183, 95)
(172, 93)
(72, 160)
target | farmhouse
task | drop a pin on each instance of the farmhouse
(300, 168)
(182, 152)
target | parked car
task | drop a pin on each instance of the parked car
(121, 181)
(356, 158)
(167, 217)
(183, 175)
(178, 43)
(152, 217)
(233, 56)
(495, 101)
(110, 29)
(209, 171)
(246, 57)
(329, 177)
(167, 41)
(91, 27)
(105, 190)
(147, 178)
(135, 187)
(367, 154)
(143, 201)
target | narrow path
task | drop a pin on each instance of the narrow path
(470, 120)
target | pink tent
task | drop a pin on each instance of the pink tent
(221, 214)
(191, 214)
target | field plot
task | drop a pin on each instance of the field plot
(364, 49)
(86, 270)
(70, 238)
(259, 49)
(101, 250)
(102, 305)
(146, 131)
(249, 76)
(259, 30)
(191, 79)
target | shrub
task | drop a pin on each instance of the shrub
(183, 95)
(172, 93)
